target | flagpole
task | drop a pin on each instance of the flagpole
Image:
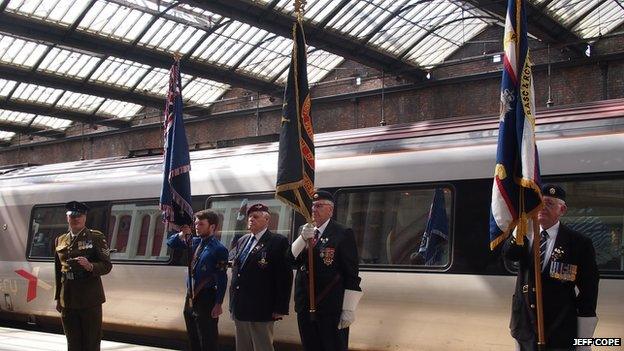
(299, 9)
(537, 264)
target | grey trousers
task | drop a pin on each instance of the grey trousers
(254, 336)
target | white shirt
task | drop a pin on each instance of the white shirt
(258, 236)
(321, 229)
(550, 242)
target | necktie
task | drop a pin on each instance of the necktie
(197, 253)
(543, 244)
(247, 249)
(317, 233)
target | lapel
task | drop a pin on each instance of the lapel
(258, 247)
(326, 235)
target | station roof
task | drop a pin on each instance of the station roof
(104, 61)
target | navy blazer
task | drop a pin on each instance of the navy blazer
(261, 285)
(336, 268)
(572, 251)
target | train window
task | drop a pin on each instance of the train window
(232, 211)
(596, 209)
(399, 227)
(136, 232)
(50, 221)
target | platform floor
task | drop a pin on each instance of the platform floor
(26, 340)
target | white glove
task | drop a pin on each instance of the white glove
(349, 304)
(346, 318)
(585, 329)
(307, 232)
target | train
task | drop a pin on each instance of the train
(383, 179)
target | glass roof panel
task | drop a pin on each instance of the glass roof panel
(20, 52)
(68, 63)
(119, 109)
(80, 102)
(608, 16)
(155, 82)
(6, 136)
(170, 36)
(567, 11)
(269, 59)
(203, 91)
(114, 20)
(320, 63)
(6, 87)
(16, 117)
(230, 43)
(360, 17)
(120, 72)
(51, 122)
(64, 12)
(36, 93)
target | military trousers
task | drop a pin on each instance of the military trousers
(201, 328)
(322, 334)
(83, 328)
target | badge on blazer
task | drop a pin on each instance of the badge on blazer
(327, 254)
(324, 240)
(263, 261)
(563, 271)
(557, 254)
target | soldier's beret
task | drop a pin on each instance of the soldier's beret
(553, 190)
(75, 208)
(257, 207)
(323, 195)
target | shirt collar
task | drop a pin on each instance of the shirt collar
(321, 229)
(72, 234)
(552, 231)
(260, 233)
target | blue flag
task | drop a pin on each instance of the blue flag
(516, 194)
(295, 169)
(436, 233)
(175, 198)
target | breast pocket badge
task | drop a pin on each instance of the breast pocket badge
(327, 254)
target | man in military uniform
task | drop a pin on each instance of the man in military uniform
(568, 262)
(82, 256)
(336, 281)
(208, 281)
(261, 282)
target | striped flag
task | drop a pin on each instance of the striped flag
(175, 197)
(516, 194)
(295, 169)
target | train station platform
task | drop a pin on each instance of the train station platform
(26, 340)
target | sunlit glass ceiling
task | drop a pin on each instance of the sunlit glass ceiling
(421, 33)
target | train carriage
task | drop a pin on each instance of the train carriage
(383, 178)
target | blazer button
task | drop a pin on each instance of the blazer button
(532, 305)
(238, 275)
(237, 287)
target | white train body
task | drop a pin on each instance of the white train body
(462, 305)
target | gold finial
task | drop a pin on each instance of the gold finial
(177, 56)
(300, 8)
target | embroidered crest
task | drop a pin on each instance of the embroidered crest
(327, 254)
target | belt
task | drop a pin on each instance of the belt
(75, 275)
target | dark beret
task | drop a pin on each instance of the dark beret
(323, 195)
(75, 208)
(257, 207)
(554, 190)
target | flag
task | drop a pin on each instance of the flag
(516, 194)
(295, 169)
(175, 197)
(436, 233)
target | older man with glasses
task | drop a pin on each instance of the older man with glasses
(568, 263)
(336, 279)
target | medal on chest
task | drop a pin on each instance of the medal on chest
(327, 255)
